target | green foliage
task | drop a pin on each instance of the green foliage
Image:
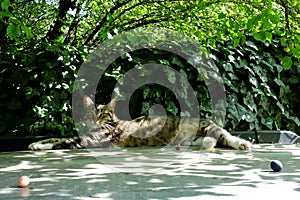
(43, 43)
(13, 31)
(36, 94)
(259, 90)
(260, 93)
(219, 21)
(151, 94)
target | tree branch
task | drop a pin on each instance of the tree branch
(286, 14)
(103, 21)
(147, 22)
(136, 5)
(73, 26)
(136, 21)
(64, 6)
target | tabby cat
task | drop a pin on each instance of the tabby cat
(107, 130)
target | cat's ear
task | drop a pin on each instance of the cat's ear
(87, 101)
(112, 103)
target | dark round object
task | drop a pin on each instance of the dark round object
(276, 165)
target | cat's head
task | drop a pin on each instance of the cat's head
(100, 115)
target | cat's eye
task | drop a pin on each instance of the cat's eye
(105, 115)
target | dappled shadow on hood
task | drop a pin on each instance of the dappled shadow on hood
(129, 174)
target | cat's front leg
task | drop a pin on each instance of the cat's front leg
(38, 146)
(238, 143)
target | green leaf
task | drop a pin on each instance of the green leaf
(282, 41)
(274, 19)
(295, 52)
(279, 82)
(4, 14)
(177, 61)
(259, 36)
(253, 81)
(172, 108)
(27, 31)
(249, 102)
(268, 36)
(232, 76)
(251, 23)
(5, 4)
(236, 42)
(296, 120)
(231, 58)
(228, 67)
(252, 45)
(280, 106)
(13, 30)
(146, 93)
(287, 62)
(243, 39)
(221, 16)
(268, 122)
(145, 108)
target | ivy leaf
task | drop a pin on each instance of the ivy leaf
(295, 52)
(145, 108)
(177, 61)
(296, 120)
(268, 122)
(282, 41)
(236, 41)
(252, 45)
(253, 81)
(287, 62)
(13, 30)
(281, 107)
(146, 93)
(249, 102)
(279, 82)
(259, 36)
(172, 108)
(268, 36)
(252, 22)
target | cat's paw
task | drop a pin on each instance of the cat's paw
(37, 146)
(209, 143)
(245, 145)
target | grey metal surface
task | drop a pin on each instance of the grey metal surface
(150, 174)
(269, 136)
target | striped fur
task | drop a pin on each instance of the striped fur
(107, 130)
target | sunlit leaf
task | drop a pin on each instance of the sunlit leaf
(27, 31)
(287, 62)
(5, 4)
(259, 36)
(268, 36)
(13, 30)
(236, 42)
